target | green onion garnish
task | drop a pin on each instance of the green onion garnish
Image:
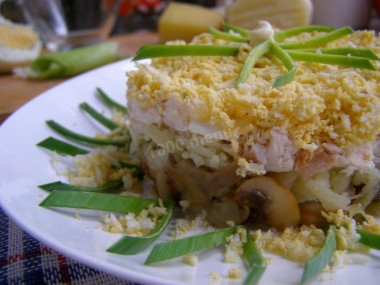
(113, 203)
(318, 40)
(64, 148)
(287, 61)
(110, 101)
(111, 125)
(228, 36)
(229, 27)
(61, 147)
(280, 36)
(60, 186)
(315, 265)
(151, 51)
(255, 260)
(350, 51)
(131, 245)
(181, 247)
(369, 239)
(343, 60)
(250, 61)
(97, 201)
(68, 133)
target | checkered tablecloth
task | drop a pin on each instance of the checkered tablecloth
(24, 260)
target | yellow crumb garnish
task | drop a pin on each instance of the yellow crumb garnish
(296, 244)
(135, 225)
(191, 260)
(215, 275)
(235, 273)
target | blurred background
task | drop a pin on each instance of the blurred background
(134, 15)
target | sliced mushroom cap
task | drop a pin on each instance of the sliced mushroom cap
(278, 205)
(311, 214)
(219, 212)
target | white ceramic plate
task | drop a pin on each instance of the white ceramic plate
(23, 166)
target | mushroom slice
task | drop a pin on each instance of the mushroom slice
(220, 213)
(277, 204)
(311, 214)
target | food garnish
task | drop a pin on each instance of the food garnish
(315, 265)
(284, 51)
(111, 125)
(369, 239)
(68, 133)
(181, 247)
(60, 186)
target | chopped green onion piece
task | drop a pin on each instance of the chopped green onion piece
(255, 260)
(138, 173)
(111, 125)
(369, 239)
(280, 36)
(97, 201)
(350, 51)
(60, 186)
(64, 148)
(287, 61)
(110, 101)
(73, 62)
(318, 40)
(315, 265)
(228, 36)
(229, 27)
(131, 245)
(180, 247)
(68, 133)
(61, 147)
(151, 51)
(343, 60)
(250, 61)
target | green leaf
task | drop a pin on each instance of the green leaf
(250, 61)
(129, 245)
(287, 61)
(151, 51)
(111, 125)
(68, 133)
(229, 27)
(315, 265)
(97, 201)
(180, 247)
(369, 239)
(60, 186)
(228, 36)
(61, 147)
(255, 260)
(318, 40)
(110, 101)
(280, 36)
(343, 60)
(73, 62)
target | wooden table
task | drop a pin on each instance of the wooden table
(15, 92)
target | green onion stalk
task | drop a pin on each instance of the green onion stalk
(288, 52)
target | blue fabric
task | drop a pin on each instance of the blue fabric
(24, 260)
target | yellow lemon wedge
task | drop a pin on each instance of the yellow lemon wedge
(282, 14)
(19, 45)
